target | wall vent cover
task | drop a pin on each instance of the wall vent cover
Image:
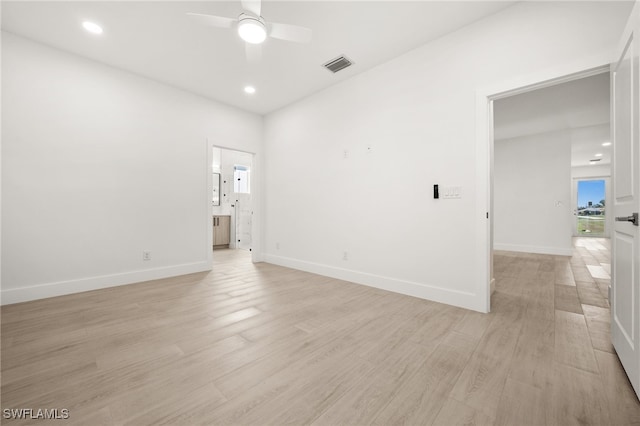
(338, 64)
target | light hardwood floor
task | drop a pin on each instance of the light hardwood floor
(261, 344)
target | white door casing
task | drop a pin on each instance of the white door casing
(625, 285)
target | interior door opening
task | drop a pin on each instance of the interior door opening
(624, 291)
(621, 290)
(550, 165)
(232, 204)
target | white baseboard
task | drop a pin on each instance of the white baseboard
(420, 290)
(42, 291)
(534, 249)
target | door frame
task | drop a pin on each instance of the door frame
(485, 157)
(256, 204)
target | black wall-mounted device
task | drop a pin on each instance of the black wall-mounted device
(436, 194)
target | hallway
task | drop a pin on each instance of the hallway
(564, 350)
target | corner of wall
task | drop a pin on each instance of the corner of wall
(430, 292)
(25, 294)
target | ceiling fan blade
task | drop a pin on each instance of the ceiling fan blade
(253, 52)
(253, 6)
(290, 32)
(211, 20)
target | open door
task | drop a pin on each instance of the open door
(243, 206)
(625, 288)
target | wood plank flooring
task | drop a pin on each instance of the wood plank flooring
(258, 344)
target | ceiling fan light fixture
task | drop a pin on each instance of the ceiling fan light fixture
(252, 30)
(92, 27)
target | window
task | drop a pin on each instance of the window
(241, 180)
(591, 208)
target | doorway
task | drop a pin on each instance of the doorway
(232, 202)
(550, 166)
(485, 99)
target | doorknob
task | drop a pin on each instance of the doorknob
(633, 219)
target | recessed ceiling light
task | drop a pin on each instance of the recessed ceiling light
(598, 155)
(92, 27)
(252, 30)
(250, 90)
(606, 144)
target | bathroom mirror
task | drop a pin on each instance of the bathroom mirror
(216, 189)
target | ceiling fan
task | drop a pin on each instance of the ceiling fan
(253, 29)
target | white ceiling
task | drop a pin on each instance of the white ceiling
(580, 105)
(157, 40)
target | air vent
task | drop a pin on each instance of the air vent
(338, 64)
(595, 159)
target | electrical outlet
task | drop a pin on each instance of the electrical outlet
(277, 246)
(345, 153)
(345, 256)
(146, 255)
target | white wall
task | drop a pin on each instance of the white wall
(417, 113)
(594, 171)
(532, 194)
(99, 165)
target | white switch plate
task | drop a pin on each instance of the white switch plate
(451, 192)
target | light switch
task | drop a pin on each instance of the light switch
(451, 192)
